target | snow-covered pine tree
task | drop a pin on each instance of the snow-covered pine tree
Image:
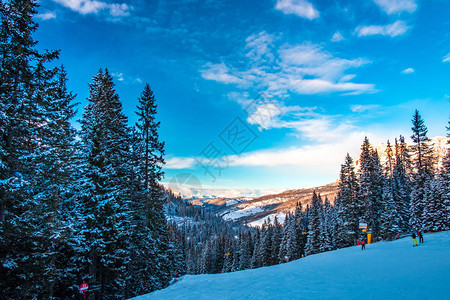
(327, 227)
(256, 256)
(294, 246)
(228, 257)
(437, 195)
(435, 210)
(276, 241)
(266, 243)
(301, 228)
(401, 183)
(314, 243)
(152, 235)
(33, 145)
(176, 251)
(56, 177)
(284, 238)
(348, 208)
(424, 162)
(390, 220)
(103, 202)
(370, 178)
(246, 251)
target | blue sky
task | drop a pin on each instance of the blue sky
(262, 95)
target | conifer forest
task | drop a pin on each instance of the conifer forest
(87, 204)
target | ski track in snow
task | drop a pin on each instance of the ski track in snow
(385, 270)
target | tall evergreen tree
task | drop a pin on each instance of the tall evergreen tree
(327, 227)
(424, 162)
(314, 242)
(34, 158)
(348, 206)
(370, 180)
(104, 205)
(401, 183)
(276, 241)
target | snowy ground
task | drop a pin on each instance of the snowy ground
(386, 270)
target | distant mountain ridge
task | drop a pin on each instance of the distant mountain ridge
(254, 210)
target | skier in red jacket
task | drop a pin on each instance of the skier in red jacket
(363, 245)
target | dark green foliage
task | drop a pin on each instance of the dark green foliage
(348, 208)
(370, 178)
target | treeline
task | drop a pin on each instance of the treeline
(75, 206)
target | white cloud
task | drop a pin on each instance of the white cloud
(180, 163)
(126, 79)
(337, 37)
(259, 45)
(392, 30)
(397, 6)
(446, 58)
(305, 69)
(119, 76)
(301, 8)
(408, 71)
(363, 108)
(222, 73)
(85, 7)
(47, 15)
(118, 10)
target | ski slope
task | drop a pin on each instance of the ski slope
(385, 270)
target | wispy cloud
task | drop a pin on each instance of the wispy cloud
(178, 163)
(259, 46)
(301, 8)
(46, 16)
(119, 76)
(337, 37)
(397, 6)
(392, 30)
(305, 69)
(223, 73)
(363, 108)
(408, 71)
(446, 58)
(85, 7)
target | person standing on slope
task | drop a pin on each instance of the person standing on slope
(363, 245)
(420, 235)
(414, 239)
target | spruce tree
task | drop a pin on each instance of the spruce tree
(104, 205)
(314, 242)
(424, 162)
(327, 227)
(401, 183)
(370, 180)
(348, 205)
(34, 159)
(276, 240)
(150, 161)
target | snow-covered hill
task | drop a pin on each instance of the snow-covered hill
(385, 270)
(254, 210)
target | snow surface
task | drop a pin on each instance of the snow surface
(236, 214)
(385, 270)
(258, 223)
